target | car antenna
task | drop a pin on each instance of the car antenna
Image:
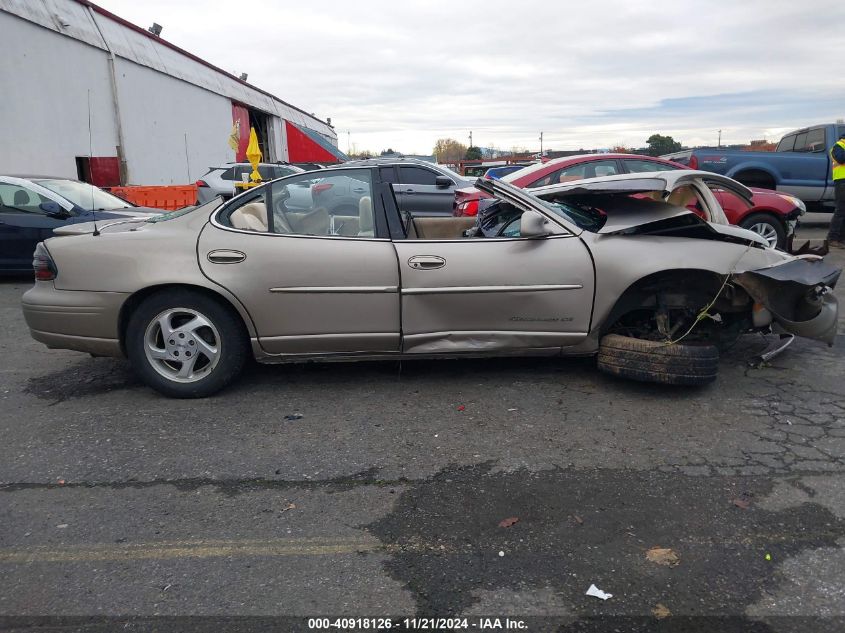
(90, 153)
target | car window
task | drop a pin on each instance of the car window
(787, 144)
(815, 140)
(20, 198)
(416, 176)
(513, 228)
(281, 172)
(801, 142)
(589, 169)
(336, 204)
(636, 165)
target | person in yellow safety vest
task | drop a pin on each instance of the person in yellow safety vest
(837, 161)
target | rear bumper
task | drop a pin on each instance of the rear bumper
(72, 319)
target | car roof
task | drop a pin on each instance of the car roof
(37, 177)
(227, 165)
(641, 181)
(386, 161)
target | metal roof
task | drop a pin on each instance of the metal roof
(89, 23)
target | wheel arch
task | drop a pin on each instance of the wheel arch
(135, 299)
(762, 210)
(644, 287)
(753, 175)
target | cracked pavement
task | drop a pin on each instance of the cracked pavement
(385, 498)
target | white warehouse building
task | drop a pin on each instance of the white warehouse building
(158, 114)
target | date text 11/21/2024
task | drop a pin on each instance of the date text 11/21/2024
(413, 624)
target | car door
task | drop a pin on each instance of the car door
(494, 295)
(23, 223)
(311, 288)
(418, 191)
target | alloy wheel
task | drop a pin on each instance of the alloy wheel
(182, 345)
(766, 231)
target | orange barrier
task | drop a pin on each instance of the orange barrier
(165, 197)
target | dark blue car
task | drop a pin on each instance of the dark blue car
(32, 206)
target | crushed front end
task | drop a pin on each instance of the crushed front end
(797, 294)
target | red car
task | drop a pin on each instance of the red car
(773, 216)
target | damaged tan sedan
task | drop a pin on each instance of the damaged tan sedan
(615, 267)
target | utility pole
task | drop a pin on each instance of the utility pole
(541, 144)
(470, 138)
(348, 141)
(720, 139)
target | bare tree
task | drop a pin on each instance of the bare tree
(448, 150)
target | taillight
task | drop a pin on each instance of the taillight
(323, 186)
(693, 162)
(201, 183)
(43, 264)
(468, 208)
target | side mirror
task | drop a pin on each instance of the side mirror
(54, 210)
(534, 224)
(443, 182)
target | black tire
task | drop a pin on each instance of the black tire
(232, 346)
(769, 220)
(653, 361)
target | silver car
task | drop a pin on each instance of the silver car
(220, 181)
(616, 269)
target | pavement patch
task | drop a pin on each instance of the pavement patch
(722, 548)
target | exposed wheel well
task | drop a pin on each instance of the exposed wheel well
(755, 178)
(137, 298)
(703, 283)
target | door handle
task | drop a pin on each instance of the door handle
(426, 262)
(409, 191)
(223, 256)
(360, 190)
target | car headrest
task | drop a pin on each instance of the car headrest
(250, 217)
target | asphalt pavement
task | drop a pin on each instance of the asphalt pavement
(468, 489)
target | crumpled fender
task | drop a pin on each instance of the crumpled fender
(797, 293)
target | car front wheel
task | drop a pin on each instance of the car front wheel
(769, 228)
(185, 344)
(659, 362)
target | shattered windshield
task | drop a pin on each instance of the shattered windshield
(584, 216)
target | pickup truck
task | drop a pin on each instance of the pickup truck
(799, 166)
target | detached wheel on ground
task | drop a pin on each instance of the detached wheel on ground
(653, 361)
(185, 344)
(766, 226)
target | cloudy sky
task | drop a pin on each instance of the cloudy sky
(402, 74)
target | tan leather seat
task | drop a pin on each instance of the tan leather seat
(346, 225)
(314, 222)
(366, 228)
(442, 228)
(683, 196)
(250, 217)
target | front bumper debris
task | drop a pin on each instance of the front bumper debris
(809, 247)
(798, 294)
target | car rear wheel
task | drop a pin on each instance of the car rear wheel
(185, 344)
(659, 362)
(768, 227)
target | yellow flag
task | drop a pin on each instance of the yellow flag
(235, 136)
(253, 154)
